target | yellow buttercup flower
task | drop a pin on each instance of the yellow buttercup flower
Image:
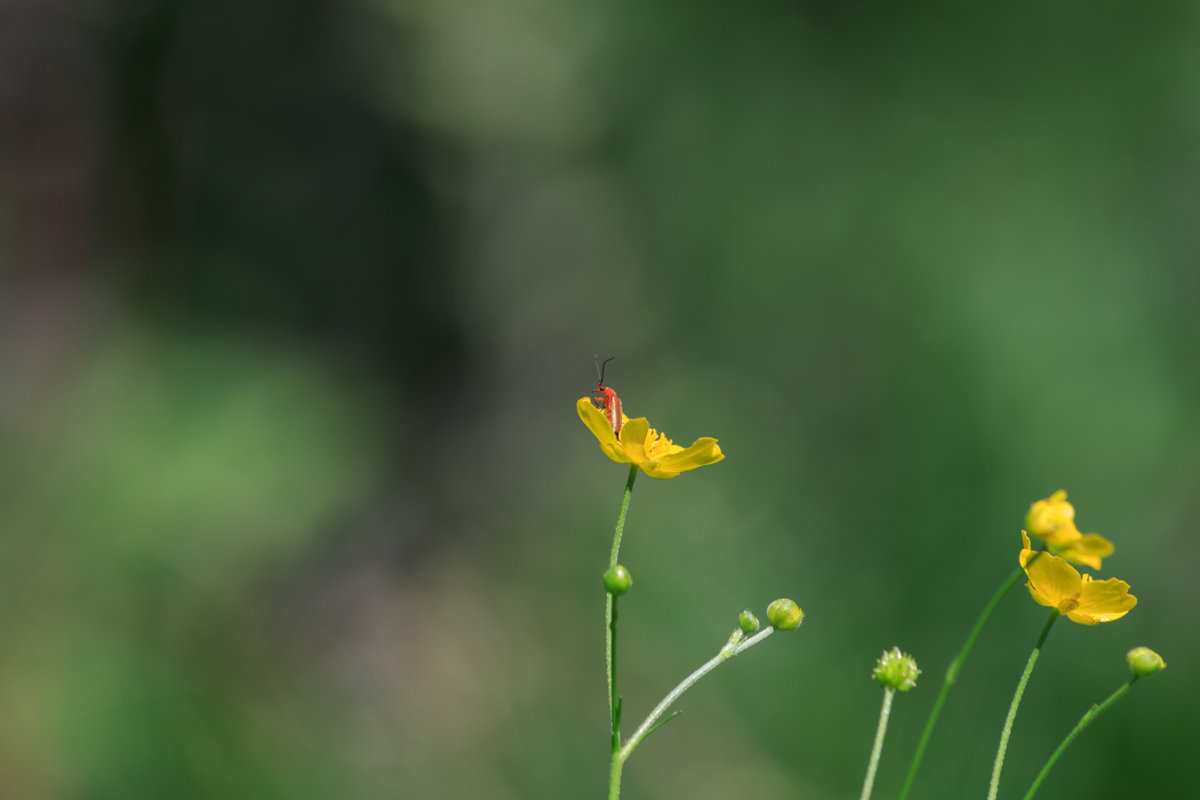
(1047, 516)
(638, 443)
(1055, 583)
(1052, 520)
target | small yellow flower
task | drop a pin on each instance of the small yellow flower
(1050, 514)
(655, 454)
(1052, 520)
(1055, 583)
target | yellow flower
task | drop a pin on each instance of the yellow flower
(655, 454)
(1053, 521)
(1048, 515)
(1055, 583)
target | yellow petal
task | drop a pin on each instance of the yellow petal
(1037, 597)
(703, 451)
(1094, 544)
(1026, 550)
(595, 420)
(1103, 601)
(653, 469)
(1054, 579)
(1088, 550)
(597, 423)
(633, 440)
(1062, 536)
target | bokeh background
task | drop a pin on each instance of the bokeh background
(296, 299)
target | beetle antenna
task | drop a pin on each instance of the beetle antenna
(600, 369)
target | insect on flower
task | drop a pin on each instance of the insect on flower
(607, 400)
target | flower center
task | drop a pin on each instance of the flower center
(657, 444)
(1068, 604)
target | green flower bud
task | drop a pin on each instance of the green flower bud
(617, 580)
(896, 670)
(748, 621)
(1143, 661)
(784, 615)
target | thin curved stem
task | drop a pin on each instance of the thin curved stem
(994, 786)
(616, 544)
(648, 724)
(880, 731)
(952, 676)
(1086, 720)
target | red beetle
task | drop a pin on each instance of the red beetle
(607, 400)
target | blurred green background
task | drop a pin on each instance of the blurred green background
(296, 300)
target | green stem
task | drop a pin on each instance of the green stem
(614, 702)
(616, 545)
(652, 723)
(1091, 714)
(880, 731)
(610, 645)
(610, 613)
(726, 653)
(994, 787)
(614, 777)
(952, 676)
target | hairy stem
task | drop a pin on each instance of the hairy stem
(687, 683)
(880, 731)
(994, 786)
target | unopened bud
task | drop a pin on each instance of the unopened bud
(748, 621)
(617, 580)
(1143, 661)
(784, 615)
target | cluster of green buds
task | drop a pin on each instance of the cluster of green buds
(783, 615)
